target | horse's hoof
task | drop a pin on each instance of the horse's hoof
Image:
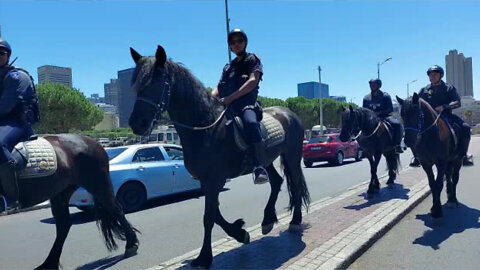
(294, 228)
(370, 195)
(129, 252)
(452, 205)
(246, 238)
(437, 220)
(267, 228)
(390, 186)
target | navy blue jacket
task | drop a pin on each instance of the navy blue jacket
(440, 95)
(14, 86)
(380, 103)
(235, 74)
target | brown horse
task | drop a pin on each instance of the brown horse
(431, 140)
(82, 162)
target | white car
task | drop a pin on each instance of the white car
(142, 172)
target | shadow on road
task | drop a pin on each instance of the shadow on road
(328, 164)
(83, 217)
(455, 220)
(385, 194)
(104, 263)
(269, 252)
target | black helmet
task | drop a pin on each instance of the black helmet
(436, 68)
(4, 44)
(377, 81)
(237, 31)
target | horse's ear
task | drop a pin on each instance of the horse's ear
(160, 56)
(135, 55)
(350, 108)
(400, 101)
(415, 98)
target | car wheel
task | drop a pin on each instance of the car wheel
(307, 163)
(131, 197)
(359, 154)
(339, 159)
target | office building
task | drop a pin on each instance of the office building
(54, 74)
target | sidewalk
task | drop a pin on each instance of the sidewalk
(336, 230)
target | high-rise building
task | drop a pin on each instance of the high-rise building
(111, 92)
(310, 90)
(126, 97)
(459, 72)
(54, 74)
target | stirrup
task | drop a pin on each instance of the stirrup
(262, 169)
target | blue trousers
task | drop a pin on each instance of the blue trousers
(252, 126)
(11, 133)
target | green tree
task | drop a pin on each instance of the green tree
(269, 102)
(63, 108)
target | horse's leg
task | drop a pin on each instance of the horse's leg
(452, 195)
(234, 229)
(392, 164)
(378, 157)
(437, 184)
(211, 189)
(270, 215)
(59, 207)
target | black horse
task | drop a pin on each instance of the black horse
(211, 154)
(82, 162)
(375, 139)
(430, 138)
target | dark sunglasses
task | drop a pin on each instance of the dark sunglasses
(2, 52)
(234, 41)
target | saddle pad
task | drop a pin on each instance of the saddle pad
(42, 160)
(274, 129)
(272, 133)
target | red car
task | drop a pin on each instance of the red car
(329, 148)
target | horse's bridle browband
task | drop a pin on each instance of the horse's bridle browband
(163, 104)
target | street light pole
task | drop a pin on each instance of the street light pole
(408, 84)
(320, 98)
(379, 64)
(228, 31)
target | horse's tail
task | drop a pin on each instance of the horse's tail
(296, 184)
(393, 161)
(110, 226)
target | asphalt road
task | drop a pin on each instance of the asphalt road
(170, 226)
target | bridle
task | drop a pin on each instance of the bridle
(355, 121)
(419, 130)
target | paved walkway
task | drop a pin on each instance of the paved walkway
(336, 230)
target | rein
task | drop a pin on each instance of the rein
(421, 119)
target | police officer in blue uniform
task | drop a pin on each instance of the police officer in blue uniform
(238, 89)
(444, 98)
(16, 118)
(381, 103)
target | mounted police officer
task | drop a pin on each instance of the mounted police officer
(444, 98)
(238, 89)
(381, 103)
(18, 110)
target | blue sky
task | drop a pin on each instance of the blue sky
(347, 38)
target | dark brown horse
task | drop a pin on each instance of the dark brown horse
(431, 140)
(82, 162)
(373, 137)
(210, 152)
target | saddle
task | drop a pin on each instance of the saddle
(455, 130)
(34, 158)
(271, 130)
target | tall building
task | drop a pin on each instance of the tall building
(339, 98)
(310, 90)
(54, 74)
(111, 92)
(459, 72)
(96, 98)
(126, 97)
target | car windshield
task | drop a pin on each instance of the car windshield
(114, 152)
(321, 139)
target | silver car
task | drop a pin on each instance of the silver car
(142, 172)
